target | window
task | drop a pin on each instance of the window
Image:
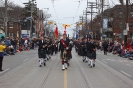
(109, 24)
(121, 25)
(131, 25)
(120, 35)
(120, 14)
(131, 14)
(131, 35)
(10, 34)
(10, 24)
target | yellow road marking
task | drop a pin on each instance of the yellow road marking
(65, 78)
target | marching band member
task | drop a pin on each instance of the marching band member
(83, 45)
(48, 52)
(64, 46)
(91, 54)
(56, 46)
(69, 54)
(42, 52)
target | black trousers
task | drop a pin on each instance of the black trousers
(105, 51)
(1, 60)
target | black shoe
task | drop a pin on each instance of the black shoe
(68, 64)
(44, 64)
(83, 60)
(93, 65)
(40, 65)
(90, 66)
(49, 57)
(1, 70)
(63, 69)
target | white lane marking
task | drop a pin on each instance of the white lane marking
(4, 71)
(126, 73)
(129, 64)
(25, 60)
(104, 61)
(112, 60)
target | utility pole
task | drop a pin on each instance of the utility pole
(92, 6)
(125, 35)
(30, 34)
(31, 4)
(102, 5)
(81, 18)
(6, 19)
(86, 26)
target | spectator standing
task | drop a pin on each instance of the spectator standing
(105, 47)
(2, 47)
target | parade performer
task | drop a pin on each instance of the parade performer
(56, 46)
(69, 54)
(42, 52)
(84, 50)
(91, 54)
(64, 46)
(105, 47)
(49, 50)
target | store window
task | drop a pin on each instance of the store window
(131, 25)
(121, 25)
(131, 14)
(120, 14)
(131, 35)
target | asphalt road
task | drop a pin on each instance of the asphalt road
(13, 61)
(23, 71)
(120, 64)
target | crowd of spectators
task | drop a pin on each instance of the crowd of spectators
(14, 45)
(117, 48)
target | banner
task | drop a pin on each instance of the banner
(105, 23)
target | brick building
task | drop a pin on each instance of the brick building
(13, 24)
(116, 22)
(14, 29)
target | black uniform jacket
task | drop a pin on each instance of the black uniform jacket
(41, 44)
(90, 46)
(62, 47)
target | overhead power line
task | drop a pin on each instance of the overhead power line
(55, 11)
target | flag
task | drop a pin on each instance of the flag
(56, 32)
(65, 29)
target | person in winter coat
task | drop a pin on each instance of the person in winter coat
(105, 47)
(2, 47)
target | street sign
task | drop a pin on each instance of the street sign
(90, 33)
(67, 25)
(124, 32)
(127, 27)
(50, 22)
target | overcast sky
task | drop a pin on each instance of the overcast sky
(64, 11)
